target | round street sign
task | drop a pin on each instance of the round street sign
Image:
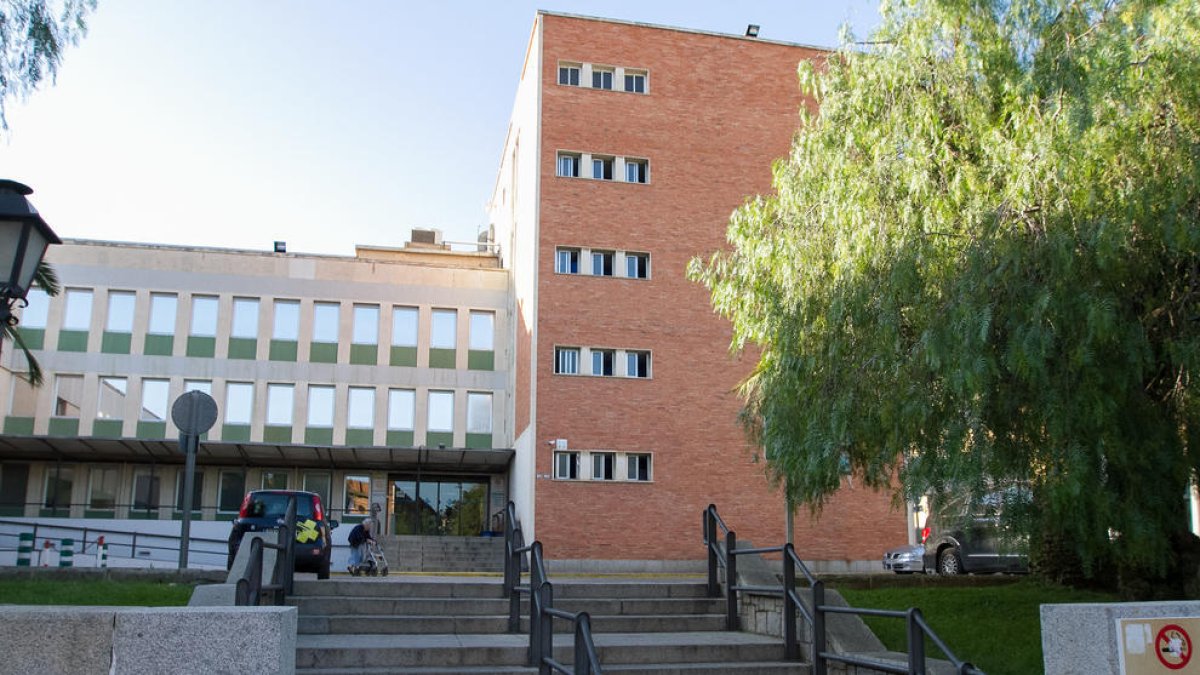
(1173, 646)
(194, 413)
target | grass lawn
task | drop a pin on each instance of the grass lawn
(995, 627)
(93, 592)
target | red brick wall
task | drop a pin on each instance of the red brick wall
(719, 111)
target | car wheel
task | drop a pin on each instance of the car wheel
(950, 562)
(323, 569)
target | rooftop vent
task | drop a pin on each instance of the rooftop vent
(427, 237)
(752, 30)
(281, 247)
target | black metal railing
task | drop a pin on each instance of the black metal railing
(133, 545)
(250, 588)
(542, 612)
(724, 554)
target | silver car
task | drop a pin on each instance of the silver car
(905, 559)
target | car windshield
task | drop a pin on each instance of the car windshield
(274, 505)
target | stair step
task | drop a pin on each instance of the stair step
(332, 606)
(398, 587)
(743, 668)
(381, 625)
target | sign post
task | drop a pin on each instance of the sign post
(193, 413)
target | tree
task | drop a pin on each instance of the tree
(980, 267)
(33, 36)
(46, 279)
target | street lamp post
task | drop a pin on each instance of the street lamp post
(24, 238)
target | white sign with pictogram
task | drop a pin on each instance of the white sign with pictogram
(1158, 646)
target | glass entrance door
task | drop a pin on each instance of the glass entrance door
(439, 506)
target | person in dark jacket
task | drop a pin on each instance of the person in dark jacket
(359, 536)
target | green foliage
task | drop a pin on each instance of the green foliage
(33, 35)
(980, 266)
(93, 592)
(46, 279)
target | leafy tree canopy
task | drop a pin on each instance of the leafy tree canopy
(980, 266)
(33, 36)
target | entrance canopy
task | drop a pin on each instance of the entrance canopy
(220, 453)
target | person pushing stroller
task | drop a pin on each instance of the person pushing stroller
(360, 539)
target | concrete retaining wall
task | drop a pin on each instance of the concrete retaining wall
(1082, 639)
(149, 640)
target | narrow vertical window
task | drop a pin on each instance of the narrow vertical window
(637, 467)
(245, 318)
(443, 333)
(602, 362)
(239, 403)
(280, 399)
(68, 395)
(568, 74)
(566, 360)
(637, 265)
(325, 322)
(566, 465)
(602, 465)
(483, 331)
(366, 325)
(79, 310)
(361, 411)
(637, 171)
(635, 81)
(111, 403)
(286, 325)
(568, 165)
(404, 326)
(204, 316)
(120, 312)
(441, 411)
(602, 263)
(479, 413)
(401, 404)
(320, 406)
(154, 400)
(162, 314)
(602, 78)
(34, 314)
(567, 261)
(602, 168)
(637, 364)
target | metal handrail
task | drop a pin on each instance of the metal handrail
(918, 629)
(250, 587)
(114, 546)
(541, 606)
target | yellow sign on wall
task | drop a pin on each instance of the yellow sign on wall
(1159, 646)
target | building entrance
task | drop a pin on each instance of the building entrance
(445, 506)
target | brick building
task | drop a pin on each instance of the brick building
(628, 148)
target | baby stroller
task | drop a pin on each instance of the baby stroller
(374, 562)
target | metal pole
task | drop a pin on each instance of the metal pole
(820, 665)
(710, 538)
(916, 643)
(731, 608)
(791, 650)
(189, 443)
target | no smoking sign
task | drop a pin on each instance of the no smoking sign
(1158, 646)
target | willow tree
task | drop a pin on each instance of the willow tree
(979, 267)
(33, 36)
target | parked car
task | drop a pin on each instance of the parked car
(964, 537)
(264, 510)
(905, 559)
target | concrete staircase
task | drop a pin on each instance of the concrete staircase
(444, 625)
(443, 554)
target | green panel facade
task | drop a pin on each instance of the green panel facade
(35, 338)
(360, 437)
(441, 358)
(277, 434)
(364, 355)
(284, 350)
(243, 348)
(18, 426)
(98, 513)
(481, 360)
(107, 428)
(143, 514)
(400, 439)
(64, 426)
(434, 439)
(323, 352)
(72, 341)
(479, 441)
(404, 356)
(202, 347)
(151, 429)
(159, 345)
(318, 436)
(115, 343)
(235, 433)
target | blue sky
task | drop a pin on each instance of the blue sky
(236, 123)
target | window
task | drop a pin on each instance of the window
(637, 265)
(23, 402)
(602, 263)
(231, 487)
(203, 386)
(567, 261)
(60, 480)
(79, 310)
(479, 413)
(274, 479)
(197, 489)
(602, 362)
(320, 406)
(162, 314)
(361, 413)
(279, 404)
(441, 411)
(636, 170)
(287, 320)
(401, 404)
(444, 329)
(318, 482)
(358, 495)
(637, 467)
(110, 405)
(325, 322)
(102, 494)
(568, 165)
(68, 394)
(204, 316)
(145, 492)
(602, 465)
(366, 325)
(566, 360)
(154, 400)
(602, 78)
(120, 312)
(483, 330)
(568, 74)
(635, 81)
(34, 314)
(566, 465)
(637, 364)
(239, 402)
(245, 318)
(404, 326)
(602, 168)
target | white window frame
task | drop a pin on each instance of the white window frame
(598, 72)
(635, 74)
(602, 256)
(612, 365)
(600, 461)
(572, 71)
(576, 160)
(631, 457)
(559, 353)
(632, 354)
(568, 255)
(635, 257)
(643, 167)
(563, 471)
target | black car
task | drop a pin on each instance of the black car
(264, 510)
(966, 536)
